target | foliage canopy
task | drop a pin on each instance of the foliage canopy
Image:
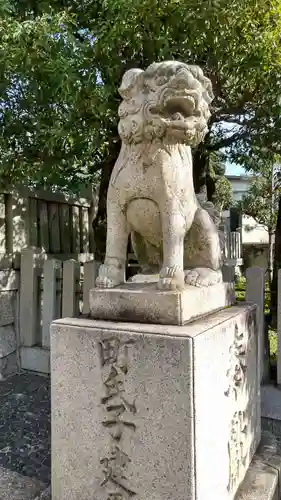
(61, 63)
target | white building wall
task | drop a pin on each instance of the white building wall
(252, 232)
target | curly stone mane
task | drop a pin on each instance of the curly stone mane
(166, 101)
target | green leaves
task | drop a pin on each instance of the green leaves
(47, 101)
(222, 198)
(261, 200)
(61, 63)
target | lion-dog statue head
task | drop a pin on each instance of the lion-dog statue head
(168, 101)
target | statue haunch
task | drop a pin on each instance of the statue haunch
(164, 112)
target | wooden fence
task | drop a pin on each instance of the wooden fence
(49, 289)
(233, 247)
(57, 224)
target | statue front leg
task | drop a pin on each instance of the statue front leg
(172, 276)
(112, 272)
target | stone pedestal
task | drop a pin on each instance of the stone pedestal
(140, 301)
(154, 412)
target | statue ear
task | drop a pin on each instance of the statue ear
(129, 81)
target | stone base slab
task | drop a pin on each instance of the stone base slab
(263, 478)
(151, 411)
(271, 402)
(45, 495)
(143, 303)
(36, 359)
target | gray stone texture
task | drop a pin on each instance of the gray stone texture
(6, 308)
(263, 478)
(255, 279)
(271, 402)
(179, 393)
(271, 409)
(8, 341)
(14, 486)
(45, 495)
(162, 445)
(35, 359)
(214, 355)
(143, 303)
(9, 280)
(25, 426)
(9, 365)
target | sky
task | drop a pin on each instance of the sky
(232, 169)
(229, 129)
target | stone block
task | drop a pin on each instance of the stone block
(8, 341)
(271, 402)
(142, 303)
(9, 365)
(45, 495)
(263, 479)
(255, 279)
(226, 402)
(35, 359)
(152, 411)
(14, 486)
(7, 308)
(9, 280)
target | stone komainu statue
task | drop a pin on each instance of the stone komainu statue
(165, 111)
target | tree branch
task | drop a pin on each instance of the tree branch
(224, 143)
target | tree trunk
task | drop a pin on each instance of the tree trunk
(99, 223)
(276, 267)
(210, 187)
(200, 165)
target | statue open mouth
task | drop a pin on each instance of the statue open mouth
(180, 109)
(183, 104)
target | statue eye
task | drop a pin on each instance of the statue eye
(161, 80)
(177, 116)
(181, 83)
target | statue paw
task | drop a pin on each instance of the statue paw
(110, 276)
(202, 276)
(171, 278)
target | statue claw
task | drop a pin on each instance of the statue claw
(110, 276)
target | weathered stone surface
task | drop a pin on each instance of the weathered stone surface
(271, 402)
(165, 111)
(271, 409)
(25, 425)
(14, 486)
(263, 479)
(143, 303)
(227, 401)
(9, 365)
(190, 399)
(255, 277)
(8, 342)
(35, 359)
(9, 280)
(6, 308)
(45, 495)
